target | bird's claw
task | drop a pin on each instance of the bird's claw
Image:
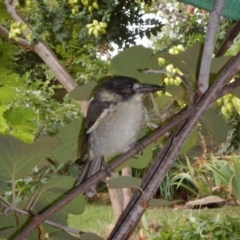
(107, 168)
(139, 147)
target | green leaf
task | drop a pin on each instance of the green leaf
(69, 149)
(124, 182)
(236, 92)
(3, 122)
(188, 62)
(131, 60)
(61, 235)
(15, 222)
(4, 15)
(8, 225)
(55, 189)
(90, 236)
(9, 78)
(218, 63)
(21, 122)
(162, 202)
(163, 101)
(191, 142)
(19, 158)
(140, 161)
(7, 94)
(178, 92)
(215, 125)
(84, 92)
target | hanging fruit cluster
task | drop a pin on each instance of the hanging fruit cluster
(97, 28)
(171, 76)
(229, 103)
(91, 5)
(16, 30)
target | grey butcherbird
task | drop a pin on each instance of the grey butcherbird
(114, 118)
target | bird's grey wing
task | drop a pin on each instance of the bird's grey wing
(96, 112)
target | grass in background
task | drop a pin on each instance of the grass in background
(98, 218)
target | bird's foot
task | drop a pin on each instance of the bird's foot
(140, 147)
(107, 168)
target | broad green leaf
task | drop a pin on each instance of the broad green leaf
(7, 94)
(84, 92)
(131, 60)
(218, 63)
(69, 149)
(215, 125)
(191, 142)
(3, 123)
(16, 116)
(161, 202)
(188, 62)
(8, 221)
(90, 236)
(24, 132)
(13, 223)
(178, 92)
(4, 15)
(55, 189)
(236, 92)
(20, 121)
(19, 158)
(62, 235)
(140, 161)
(10, 78)
(163, 101)
(8, 225)
(124, 182)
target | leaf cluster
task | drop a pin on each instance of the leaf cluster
(202, 227)
(124, 20)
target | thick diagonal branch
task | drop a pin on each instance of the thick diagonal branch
(226, 76)
(158, 170)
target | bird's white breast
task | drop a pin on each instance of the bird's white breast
(118, 129)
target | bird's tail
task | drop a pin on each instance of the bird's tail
(92, 167)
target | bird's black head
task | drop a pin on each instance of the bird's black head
(123, 88)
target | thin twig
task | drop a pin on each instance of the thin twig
(209, 45)
(155, 106)
(147, 70)
(8, 205)
(22, 42)
(229, 40)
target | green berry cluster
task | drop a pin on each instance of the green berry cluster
(16, 30)
(97, 28)
(91, 5)
(229, 103)
(171, 76)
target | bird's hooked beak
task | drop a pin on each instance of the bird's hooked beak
(145, 88)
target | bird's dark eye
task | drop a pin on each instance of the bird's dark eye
(130, 85)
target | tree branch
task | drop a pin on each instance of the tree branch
(228, 40)
(47, 55)
(22, 42)
(209, 45)
(101, 175)
(229, 88)
(161, 165)
(8, 205)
